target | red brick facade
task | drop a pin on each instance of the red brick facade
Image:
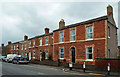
(98, 43)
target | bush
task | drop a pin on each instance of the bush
(118, 57)
(50, 57)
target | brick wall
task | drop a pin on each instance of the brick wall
(101, 64)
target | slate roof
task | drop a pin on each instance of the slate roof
(84, 22)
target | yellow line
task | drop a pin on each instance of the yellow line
(84, 73)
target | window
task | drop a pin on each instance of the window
(46, 57)
(46, 41)
(72, 35)
(33, 55)
(29, 44)
(17, 47)
(89, 53)
(61, 53)
(108, 32)
(33, 43)
(22, 53)
(21, 47)
(89, 33)
(61, 37)
(14, 47)
(25, 46)
(40, 42)
(11, 47)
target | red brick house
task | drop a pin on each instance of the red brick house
(84, 41)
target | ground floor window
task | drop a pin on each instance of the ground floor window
(61, 53)
(33, 55)
(89, 53)
(46, 54)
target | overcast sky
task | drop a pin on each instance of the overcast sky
(30, 18)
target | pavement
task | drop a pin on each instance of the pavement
(36, 70)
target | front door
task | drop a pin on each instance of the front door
(29, 55)
(43, 56)
(73, 54)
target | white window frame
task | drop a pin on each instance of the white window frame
(61, 53)
(25, 46)
(22, 47)
(33, 43)
(88, 32)
(61, 37)
(40, 42)
(89, 53)
(17, 47)
(46, 54)
(14, 47)
(11, 47)
(33, 55)
(72, 35)
(46, 42)
(30, 44)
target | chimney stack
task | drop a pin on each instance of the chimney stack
(9, 42)
(25, 37)
(109, 10)
(2, 45)
(61, 23)
(46, 30)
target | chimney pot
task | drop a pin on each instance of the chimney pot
(46, 30)
(25, 37)
(109, 10)
(61, 23)
(9, 42)
(2, 45)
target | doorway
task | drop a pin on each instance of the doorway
(73, 54)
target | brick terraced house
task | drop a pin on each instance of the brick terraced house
(84, 41)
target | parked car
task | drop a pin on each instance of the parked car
(10, 57)
(2, 58)
(20, 59)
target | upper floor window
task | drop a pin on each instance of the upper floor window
(21, 47)
(46, 41)
(72, 35)
(61, 36)
(25, 46)
(61, 53)
(30, 44)
(17, 47)
(89, 53)
(46, 54)
(33, 43)
(108, 32)
(14, 47)
(40, 42)
(89, 33)
(11, 47)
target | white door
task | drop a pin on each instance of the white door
(40, 55)
(29, 55)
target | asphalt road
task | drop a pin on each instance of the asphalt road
(30, 69)
(35, 70)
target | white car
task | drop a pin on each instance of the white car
(10, 57)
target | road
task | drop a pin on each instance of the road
(31, 70)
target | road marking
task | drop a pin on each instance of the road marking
(85, 73)
(41, 73)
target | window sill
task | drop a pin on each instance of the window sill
(89, 60)
(61, 42)
(89, 39)
(61, 58)
(72, 41)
